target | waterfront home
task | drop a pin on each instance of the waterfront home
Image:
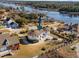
(9, 23)
(42, 34)
(8, 42)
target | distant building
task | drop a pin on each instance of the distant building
(9, 23)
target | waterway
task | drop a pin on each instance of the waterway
(51, 14)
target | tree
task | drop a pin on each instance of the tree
(21, 21)
(29, 16)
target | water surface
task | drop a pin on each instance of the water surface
(51, 14)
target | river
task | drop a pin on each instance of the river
(52, 14)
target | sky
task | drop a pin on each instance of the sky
(47, 0)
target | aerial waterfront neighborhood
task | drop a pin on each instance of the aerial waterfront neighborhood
(32, 30)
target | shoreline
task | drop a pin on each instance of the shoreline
(70, 13)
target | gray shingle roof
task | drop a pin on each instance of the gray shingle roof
(12, 39)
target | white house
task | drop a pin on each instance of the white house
(39, 35)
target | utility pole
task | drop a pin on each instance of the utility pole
(39, 23)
